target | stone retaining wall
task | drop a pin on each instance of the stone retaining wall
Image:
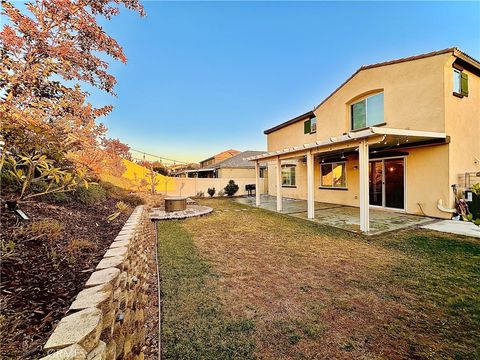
(106, 320)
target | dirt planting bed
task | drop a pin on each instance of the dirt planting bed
(53, 255)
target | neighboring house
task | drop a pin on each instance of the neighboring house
(206, 169)
(395, 135)
(179, 169)
(234, 167)
(218, 158)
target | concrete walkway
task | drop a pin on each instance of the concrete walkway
(340, 216)
(455, 227)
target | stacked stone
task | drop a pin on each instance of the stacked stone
(106, 320)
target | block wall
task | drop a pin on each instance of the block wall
(107, 318)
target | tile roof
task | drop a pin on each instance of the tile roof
(239, 160)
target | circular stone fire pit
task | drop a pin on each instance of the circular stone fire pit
(175, 203)
(177, 207)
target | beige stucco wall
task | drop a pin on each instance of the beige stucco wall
(422, 187)
(417, 96)
(234, 173)
(463, 126)
(413, 99)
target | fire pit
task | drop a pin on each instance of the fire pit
(175, 203)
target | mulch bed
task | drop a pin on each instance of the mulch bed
(39, 282)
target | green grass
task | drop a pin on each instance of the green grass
(244, 284)
(194, 324)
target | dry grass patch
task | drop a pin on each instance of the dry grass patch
(318, 292)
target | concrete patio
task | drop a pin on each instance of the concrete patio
(340, 216)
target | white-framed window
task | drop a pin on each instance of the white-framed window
(288, 175)
(457, 81)
(310, 126)
(367, 112)
(333, 175)
(460, 83)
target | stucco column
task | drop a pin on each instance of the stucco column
(364, 190)
(310, 186)
(257, 184)
(279, 183)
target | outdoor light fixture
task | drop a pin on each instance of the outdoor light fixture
(343, 155)
(13, 207)
(323, 160)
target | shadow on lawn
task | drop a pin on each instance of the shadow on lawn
(194, 324)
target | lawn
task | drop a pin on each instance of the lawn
(247, 283)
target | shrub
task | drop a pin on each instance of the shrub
(117, 193)
(211, 191)
(200, 194)
(231, 188)
(8, 180)
(221, 193)
(91, 195)
(133, 200)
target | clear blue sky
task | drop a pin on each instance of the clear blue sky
(203, 77)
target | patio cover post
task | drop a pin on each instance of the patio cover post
(257, 184)
(310, 186)
(364, 196)
(279, 184)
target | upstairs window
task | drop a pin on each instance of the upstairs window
(288, 175)
(310, 126)
(460, 83)
(367, 112)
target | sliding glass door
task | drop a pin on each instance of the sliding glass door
(387, 183)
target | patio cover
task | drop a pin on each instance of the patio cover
(362, 140)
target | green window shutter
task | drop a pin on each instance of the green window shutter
(464, 84)
(307, 127)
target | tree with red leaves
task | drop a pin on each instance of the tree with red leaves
(43, 52)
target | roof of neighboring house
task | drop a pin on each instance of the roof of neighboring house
(238, 161)
(230, 152)
(475, 64)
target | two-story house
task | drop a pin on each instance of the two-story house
(395, 135)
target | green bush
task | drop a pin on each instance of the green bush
(8, 182)
(60, 197)
(117, 193)
(133, 200)
(93, 194)
(231, 188)
(211, 191)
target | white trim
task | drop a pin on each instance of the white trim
(402, 132)
(310, 185)
(363, 165)
(257, 184)
(352, 136)
(365, 98)
(344, 162)
(279, 183)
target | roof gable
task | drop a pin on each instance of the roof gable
(465, 58)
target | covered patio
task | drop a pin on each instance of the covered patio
(340, 216)
(361, 145)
